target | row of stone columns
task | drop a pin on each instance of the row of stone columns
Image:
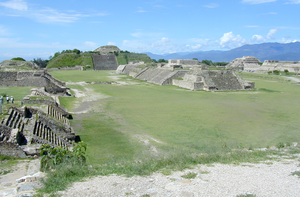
(57, 115)
(14, 119)
(46, 133)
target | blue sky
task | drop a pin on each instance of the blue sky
(35, 28)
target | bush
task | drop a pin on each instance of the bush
(276, 72)
(52, 157)
(18, 59)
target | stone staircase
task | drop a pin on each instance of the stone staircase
(225, 81)
(160, 76)
(15, 119)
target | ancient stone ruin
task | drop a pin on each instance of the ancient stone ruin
(25, 129)
(33, 78)
(187, 74)
(244, 63)
(104, 61)
(252, 64)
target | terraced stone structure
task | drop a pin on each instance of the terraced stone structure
(25, 129)
(105, 59)
(193, 77)
(33, 78)
(246, 63)
(252, 64)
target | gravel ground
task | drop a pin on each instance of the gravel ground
(263, 179)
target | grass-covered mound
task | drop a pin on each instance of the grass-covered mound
(126, 57)
(71, 60)
(17, 64)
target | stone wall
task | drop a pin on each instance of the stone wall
(105, 62)
(11, 149)
(183, 61)
(188, 84)
(66, 68)
(32, 78)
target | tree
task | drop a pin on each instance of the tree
(76, 51)
(162, 60)
(208, 62)
(40, 62)
(18, 58)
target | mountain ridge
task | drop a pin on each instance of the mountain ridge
(263, 51)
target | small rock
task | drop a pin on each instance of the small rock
(295, 144)
(25, 187)
(176, 178)
(186, 194)
(273, 148)
(186, 181)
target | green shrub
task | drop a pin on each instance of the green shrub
(190, 175)
(276, 72)
(52, 157)
(18, 58)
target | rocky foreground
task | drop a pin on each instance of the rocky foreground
(268, 178)
(262, 179)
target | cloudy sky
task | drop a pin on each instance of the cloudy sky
(35, 28)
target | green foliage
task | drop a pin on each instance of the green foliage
(280, 145)
(246, 195)
(207, 62)
(162, 61)
(40, 62)
(18, 58)
(70, 60)
(276, 72)
(286, 72)
(220, 63)
(270, 72)
(52, 157)
(190, 175)
(125, 57)
(296, 173)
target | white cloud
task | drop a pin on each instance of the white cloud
(211, 5)
(15, 4)
(257, 1)
(51, 15)
(294, 2)
(229, 40)
(271, 33)
(257, 39)
(193, 47)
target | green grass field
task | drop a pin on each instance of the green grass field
(138, 116)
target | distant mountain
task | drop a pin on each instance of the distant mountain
(264, 51)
